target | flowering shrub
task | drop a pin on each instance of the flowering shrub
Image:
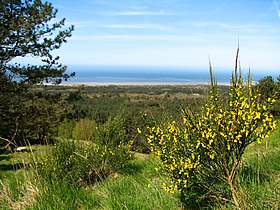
(201, 154)
(83, 162)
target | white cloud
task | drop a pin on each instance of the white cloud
(214, 11)
(219, 25)
(238, 28)
(125, 37)
(79, 24)
(276, 3)
(137, 26)
(61, 7)
(194, 38)
(142, 13)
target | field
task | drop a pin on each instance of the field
(142, 145)
(135, 185)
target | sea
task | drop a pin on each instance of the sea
(97, 74)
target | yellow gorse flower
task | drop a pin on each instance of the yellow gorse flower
(219, 130)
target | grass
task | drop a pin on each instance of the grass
(137, 186)
(18, 188)
(128, 190)
(259, 178)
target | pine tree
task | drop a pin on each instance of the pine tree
(28, 28)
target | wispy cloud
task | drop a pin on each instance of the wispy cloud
(192, 39)
(276, 3)
(80, 24)
(173, 38)
(132, 8)
(108, 4)
(61, 7)
(125, 37)
(215, 10)
(251, 28)
(138, 26)
(218, 25)
(142, 13)
(223, 25)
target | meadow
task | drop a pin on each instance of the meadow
(100, 157)
(137, 186)
(127, 147)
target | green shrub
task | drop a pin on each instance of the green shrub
(85, 162)
(268, 88)
(111, 135)
(65, 129)
(202, 154)
(84, 130)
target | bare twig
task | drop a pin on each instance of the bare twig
(9, 142)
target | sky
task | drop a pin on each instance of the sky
(172, 33)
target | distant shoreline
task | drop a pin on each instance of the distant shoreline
(93, 84)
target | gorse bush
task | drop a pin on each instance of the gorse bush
(80, 162)
(202, 154)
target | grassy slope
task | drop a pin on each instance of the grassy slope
(136, 187)
(260, 178)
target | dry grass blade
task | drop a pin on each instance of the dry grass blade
(28, 195)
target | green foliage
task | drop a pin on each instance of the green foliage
(61, 195)
(81, 162)
(133, 122)
(137, 187)
(43, 113)
(27, 29)
(18, 194)
(32, 118)
(84, 130)
(266, 87)
(102, 103)
(269, 88)
(65, 130)
(202, 154)
(258, 180)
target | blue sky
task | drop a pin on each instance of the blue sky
(172, 33)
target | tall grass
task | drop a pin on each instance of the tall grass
(136, 186)
(18, 185)
(259, 176)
